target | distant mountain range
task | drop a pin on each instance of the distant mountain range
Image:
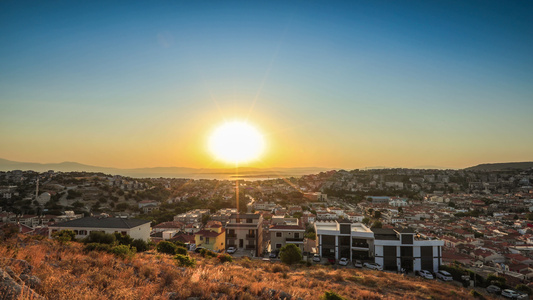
(502, 166)
(222, 173)
(170, 172)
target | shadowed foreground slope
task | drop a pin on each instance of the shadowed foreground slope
(66, 272)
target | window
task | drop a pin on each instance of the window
(249, 221)
(345, 228)
(296, 235)
(407, 239)
(201, 238)
(278, 234)
(207, 240)
(124, 232)
(278, 246)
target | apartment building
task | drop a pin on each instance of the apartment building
(393, 249)
(245, 231)
(286, 231)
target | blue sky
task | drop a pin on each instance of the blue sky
(344, 84)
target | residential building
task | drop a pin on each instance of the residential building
(349, 240)
(391, 248)
(395, 249)
(316, 197)
(212, 237)
(284, 232)
(223, 215)
(245, 231)
(193, 216)
(135, 228)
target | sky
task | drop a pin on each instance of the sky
(330, 84)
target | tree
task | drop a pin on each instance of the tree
(377, 224)
(400, 210)
(523, 288)
(290, 254)
(64, 236)
(366, 221)
(166, 247)
(377, 214)
(100, 237)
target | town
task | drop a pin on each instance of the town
(402, 220)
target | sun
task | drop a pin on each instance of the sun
(236, 142)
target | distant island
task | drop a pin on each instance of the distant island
(502, 166)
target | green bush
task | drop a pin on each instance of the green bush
(64, 236)
(123, 239)
(123, 251)
(181, 250)
(100, 237)
(139, 245)
(225, 258)
(331, 296)
(97, 247)
(166, 247)
(178, 243)
(290, 254)
(207, 253)
(185, 261)
(523, 288)
(497, 281)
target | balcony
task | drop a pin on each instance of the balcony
(231, 235)
(294, 240)
(251, 236)
(360, 245)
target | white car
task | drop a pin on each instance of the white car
(425, 274)
(231, 250)
(316, 258)
(373, 266)
(444, 276)
(358, 264)
(343, 261)
(510, 293)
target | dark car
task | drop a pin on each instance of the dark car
(273, 254)
(331, 260)
(198, 249)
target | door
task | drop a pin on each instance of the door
(241, 243)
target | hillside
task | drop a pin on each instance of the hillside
(58, 271)
(156, 172)
(502, 166)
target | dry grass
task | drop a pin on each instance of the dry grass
(67, 272)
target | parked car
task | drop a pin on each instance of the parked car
(358, 264)
(510, 294)
(198, 249)
(373, 266)
(444, 276)
(231, 250)
(331, 260)
(425, 274)
(343, 261)
(273, 254)
(492, 289)
(316, 258)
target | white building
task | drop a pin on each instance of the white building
(135, 228)
(393, 249)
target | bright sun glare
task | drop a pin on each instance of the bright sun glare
(236, 142)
